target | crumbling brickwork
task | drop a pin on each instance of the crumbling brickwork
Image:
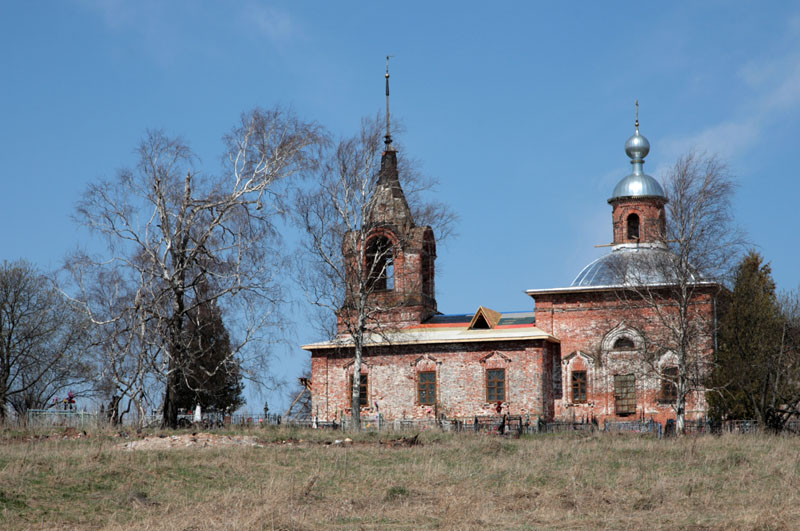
(461, 374)
(589, 323)
(650, 213)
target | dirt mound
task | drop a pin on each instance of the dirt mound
(193, 440)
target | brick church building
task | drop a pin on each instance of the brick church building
(582, 354)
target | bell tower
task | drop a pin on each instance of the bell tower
(638, 200)
(399, 255)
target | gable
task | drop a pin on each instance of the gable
(484, 319)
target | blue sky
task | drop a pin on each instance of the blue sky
(521, 110)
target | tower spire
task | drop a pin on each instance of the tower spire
(637, 110)
(388, 138)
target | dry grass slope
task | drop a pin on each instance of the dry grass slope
(450, 481)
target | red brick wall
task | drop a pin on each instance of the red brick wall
(651, 219)
(460, 380)
(412, 300)
(581, 321)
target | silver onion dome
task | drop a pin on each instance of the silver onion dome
(638, 183)
(637, 146)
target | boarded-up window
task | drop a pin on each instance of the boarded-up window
(427, 387)
(669, 381)
(625, 394)
(495, 385)
(579, 387)
(362, 391)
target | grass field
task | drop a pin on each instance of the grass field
(462, 481)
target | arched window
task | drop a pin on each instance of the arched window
(624, 343)
(380, 264)
(633, 227)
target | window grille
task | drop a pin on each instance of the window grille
(625, 394)
(669, 381)
(579, 387)
(362, 391)
(427, 388)
(495, 385)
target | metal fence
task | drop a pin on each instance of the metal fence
(563, 427)
(48, 418)
(508, 425)
(636, 426)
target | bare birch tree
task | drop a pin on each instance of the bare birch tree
(677, 313)
(178, 238)
(43, 341)
(342, 271)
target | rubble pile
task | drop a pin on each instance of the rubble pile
(193, 440)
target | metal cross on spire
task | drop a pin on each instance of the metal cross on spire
(388, 138)
(637, 112)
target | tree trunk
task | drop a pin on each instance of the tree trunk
(170, 408)
(176, 359)
(5, 375)
(680, 406)
(113, 410)
(680, 417)
(3, 399)
(356, 389)
(170, 413)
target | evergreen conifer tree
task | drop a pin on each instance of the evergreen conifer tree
(211, 377)
(756, 371)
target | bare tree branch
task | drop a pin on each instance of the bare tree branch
(178, 239)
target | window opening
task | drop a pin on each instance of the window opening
(485, 319)
(624, 343)
(669, 382)
(579, 387)
(557, 388)
(625, 394)
(427, 387)
(633, 227)
(495, 385)
(380, 264)
(481, 323)
(427, 270)
(389, 275)
(362, 391)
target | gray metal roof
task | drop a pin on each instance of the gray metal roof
(629, 265)
(638, 185)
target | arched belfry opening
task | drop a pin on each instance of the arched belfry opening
(380, 263)
(633, 227)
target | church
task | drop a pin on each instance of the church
(583, 354)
